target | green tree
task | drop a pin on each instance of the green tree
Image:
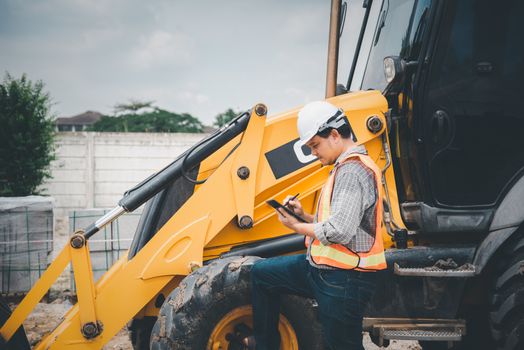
(133, 106)
(158, 120)
(223, 118)
(27, 135)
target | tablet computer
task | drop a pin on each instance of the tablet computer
(277, 205)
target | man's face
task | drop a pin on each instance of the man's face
(324, 149)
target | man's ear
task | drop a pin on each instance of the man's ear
(336, 135)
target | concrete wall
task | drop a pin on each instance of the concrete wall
(92, 171)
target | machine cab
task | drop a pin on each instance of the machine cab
(455, 122)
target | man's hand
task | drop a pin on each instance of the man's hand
(295, 225)
(294, 204)
(286, 219)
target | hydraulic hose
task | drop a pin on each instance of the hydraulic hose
(142, 192)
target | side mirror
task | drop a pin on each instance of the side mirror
(395, 71)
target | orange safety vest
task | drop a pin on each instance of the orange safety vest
(337, 255)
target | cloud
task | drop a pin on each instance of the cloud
(94, 38)
(304, 25)
(195, 57)
(160, 48)
(192, 97)
(292, 91)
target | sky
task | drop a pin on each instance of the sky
(197, 57)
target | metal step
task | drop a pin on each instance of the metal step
(466, 270)
(443, 330)
(426, 335)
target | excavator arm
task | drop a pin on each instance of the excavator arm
(228, 209)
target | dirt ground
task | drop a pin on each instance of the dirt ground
(45, 317)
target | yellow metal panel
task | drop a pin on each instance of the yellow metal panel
(85, 291)
(185, 245)
(282, 129)
(248, 157)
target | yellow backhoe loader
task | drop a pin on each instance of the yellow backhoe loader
(432, 88)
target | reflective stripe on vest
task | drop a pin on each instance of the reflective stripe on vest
(337, 255)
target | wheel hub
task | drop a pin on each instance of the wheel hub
(234, 331)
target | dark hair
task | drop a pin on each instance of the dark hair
(344, 130)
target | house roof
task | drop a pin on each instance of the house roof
(86, 118)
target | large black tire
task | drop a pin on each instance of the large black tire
(190, 314)
(19, 340)
(507, 316)
(140, 332)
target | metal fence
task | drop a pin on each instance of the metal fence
(26, 240)
(110, 243)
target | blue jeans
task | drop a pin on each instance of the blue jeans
(341, 295)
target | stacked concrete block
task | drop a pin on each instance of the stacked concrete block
(26, 240)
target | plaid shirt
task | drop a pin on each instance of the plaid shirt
(352, 220)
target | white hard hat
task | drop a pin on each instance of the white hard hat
(313, 116)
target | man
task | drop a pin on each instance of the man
(344, 246)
